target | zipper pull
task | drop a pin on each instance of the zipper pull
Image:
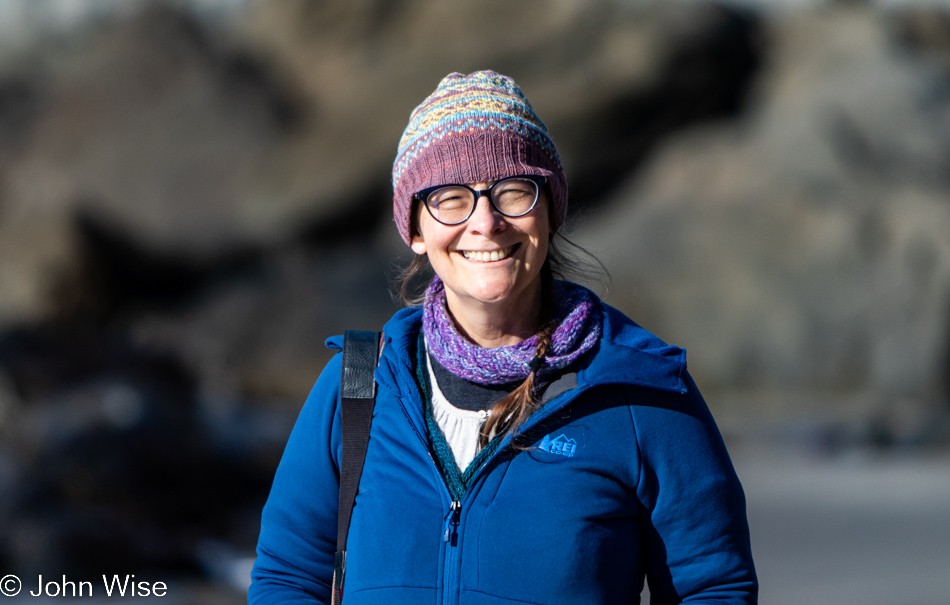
(452, 522)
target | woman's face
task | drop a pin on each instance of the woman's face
(460, 254)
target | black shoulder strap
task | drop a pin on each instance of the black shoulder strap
(357, 397)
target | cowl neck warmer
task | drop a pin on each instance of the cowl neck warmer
(577, 327)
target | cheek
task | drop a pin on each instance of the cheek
(545, 220)
(543, 237)
(434, 238)
(543, 248)
(543, 229)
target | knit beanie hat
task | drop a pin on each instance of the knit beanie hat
(472, 129)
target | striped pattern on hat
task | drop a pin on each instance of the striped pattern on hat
(472, 129)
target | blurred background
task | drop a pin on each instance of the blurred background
(195, 194)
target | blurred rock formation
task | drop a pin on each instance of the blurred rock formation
(800, 252)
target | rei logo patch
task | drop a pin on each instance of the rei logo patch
(561, 445)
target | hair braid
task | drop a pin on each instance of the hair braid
(516, 407)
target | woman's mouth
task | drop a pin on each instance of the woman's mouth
(485, 256)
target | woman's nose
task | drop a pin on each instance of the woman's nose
(485, 219)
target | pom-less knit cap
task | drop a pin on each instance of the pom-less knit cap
(473, 129)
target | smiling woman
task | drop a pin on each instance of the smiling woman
(529, 443)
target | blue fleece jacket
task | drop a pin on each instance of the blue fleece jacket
(627, 478)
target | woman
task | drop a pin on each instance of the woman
(529, 444)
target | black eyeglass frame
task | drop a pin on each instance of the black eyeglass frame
(539, 181)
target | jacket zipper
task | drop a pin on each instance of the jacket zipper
(450, 528)
(450, 537)
(451, 523)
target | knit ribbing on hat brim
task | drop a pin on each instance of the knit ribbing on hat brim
(477, 158)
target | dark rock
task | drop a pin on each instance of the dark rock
(355, 220)
(44, 360)
(118, 469)
(114, 275)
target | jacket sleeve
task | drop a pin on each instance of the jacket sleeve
(695, 532)
(297, 543)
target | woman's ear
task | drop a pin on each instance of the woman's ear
(417, 244)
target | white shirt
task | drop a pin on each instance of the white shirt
(459, 427)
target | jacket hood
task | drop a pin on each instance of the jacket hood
(629, 354)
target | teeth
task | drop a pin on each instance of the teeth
(485, 257)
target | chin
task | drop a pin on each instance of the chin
(491, 295)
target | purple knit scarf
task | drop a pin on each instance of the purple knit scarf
(577, 322)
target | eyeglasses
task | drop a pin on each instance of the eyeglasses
(454, 204)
